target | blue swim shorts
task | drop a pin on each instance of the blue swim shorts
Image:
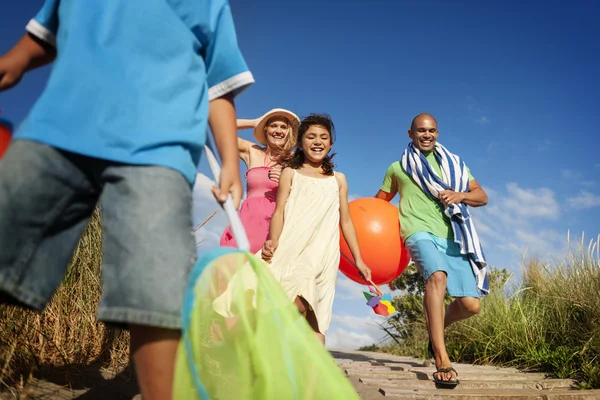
(431, 254)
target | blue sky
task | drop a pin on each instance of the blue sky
(513, 85)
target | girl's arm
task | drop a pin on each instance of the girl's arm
(283, 192)
(276, 226)
(348, 229)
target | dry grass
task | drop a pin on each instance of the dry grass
(66, 334)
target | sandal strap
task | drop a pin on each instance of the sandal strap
(449, 369)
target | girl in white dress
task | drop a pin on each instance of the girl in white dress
(303, 249)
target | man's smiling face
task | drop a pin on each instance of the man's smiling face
(424, 133)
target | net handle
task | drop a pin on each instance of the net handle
(239, 233)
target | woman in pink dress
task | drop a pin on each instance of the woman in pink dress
(276, 132)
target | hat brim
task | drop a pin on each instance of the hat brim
(259, 130)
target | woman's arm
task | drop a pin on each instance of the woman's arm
(247, 123)
(245, 146)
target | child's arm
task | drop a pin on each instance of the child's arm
(348, 229)
(227, 75)
(221, 117)
(276, 226)
(27, 54)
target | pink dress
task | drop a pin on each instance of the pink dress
(256, 211)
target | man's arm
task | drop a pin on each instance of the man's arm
(389, 186)
(475, 197)
(384, 195)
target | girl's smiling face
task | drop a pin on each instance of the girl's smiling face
(316, 143)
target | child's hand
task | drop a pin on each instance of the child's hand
(11, 71)
(275, 173)
(364, 271)
(269, 249)
(231, 183)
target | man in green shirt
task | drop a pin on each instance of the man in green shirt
(428, 236)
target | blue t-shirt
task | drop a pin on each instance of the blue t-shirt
(133, 79)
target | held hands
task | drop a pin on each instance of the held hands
(364, 271)
(269, 249)
(449, 197)
(231, 183)
(11, 71)
(275, 173)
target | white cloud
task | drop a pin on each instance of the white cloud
(584, 200)
(352, 332)
(545, 145)
(343, 339)
(483, 120)
(518, 203)
(576, 177)
(589, 183)
(543, 241)
(570, 174)
(354, 196)
(347, 289)
(515, 220)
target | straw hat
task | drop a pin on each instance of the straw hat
(259, 130)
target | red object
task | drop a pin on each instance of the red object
(381, 309)
(381, 248)
(5, 135)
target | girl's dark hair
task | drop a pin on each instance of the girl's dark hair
(323, 120)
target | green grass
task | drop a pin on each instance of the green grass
(550, 322)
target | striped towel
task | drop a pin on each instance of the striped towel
(455, 177)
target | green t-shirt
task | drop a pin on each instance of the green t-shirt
(417, 211)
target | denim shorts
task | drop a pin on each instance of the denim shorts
(431, 254)
(46, 199)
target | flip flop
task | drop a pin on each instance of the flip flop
(447, 384)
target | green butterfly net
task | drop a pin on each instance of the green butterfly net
(242, 338)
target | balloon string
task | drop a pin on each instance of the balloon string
(379, 292)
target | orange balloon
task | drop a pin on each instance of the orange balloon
(381, 248)
(5, 135)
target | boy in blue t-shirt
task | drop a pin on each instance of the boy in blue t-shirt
(121, 123)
